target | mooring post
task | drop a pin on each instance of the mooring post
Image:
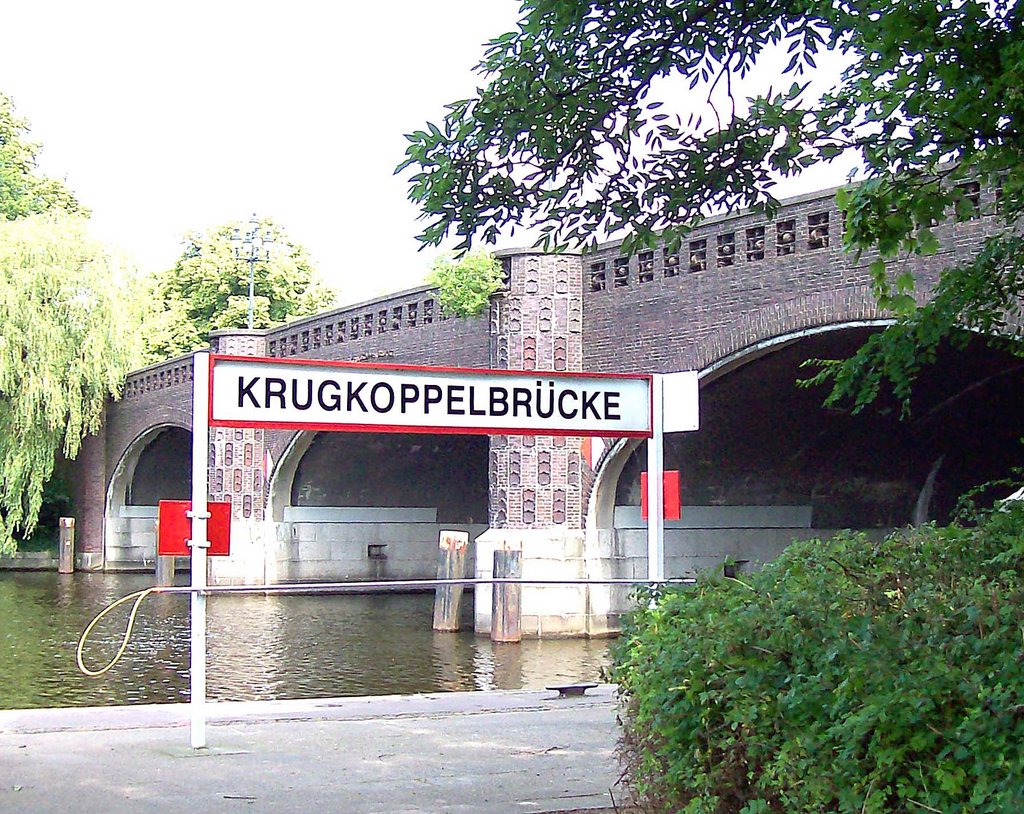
(505, 598)
(66, 561)
(164, 571)
(451, 564)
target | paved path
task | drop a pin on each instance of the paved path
(525, 751)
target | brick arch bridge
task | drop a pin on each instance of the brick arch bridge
(738, 282)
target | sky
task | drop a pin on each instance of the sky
(168, 118)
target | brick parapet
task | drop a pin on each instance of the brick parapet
(171, 373)
(405, 328)
(660, 310)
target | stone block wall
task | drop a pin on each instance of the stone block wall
(327, 551)
(132, 538)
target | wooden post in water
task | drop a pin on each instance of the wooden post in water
(451, 564)
(164, 571)
(66, 545)
(505, 597)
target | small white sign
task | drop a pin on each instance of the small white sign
(304, 394)
(681, 401)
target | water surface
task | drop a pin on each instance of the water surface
(259, 647)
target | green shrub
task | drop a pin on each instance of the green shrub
(847, 676)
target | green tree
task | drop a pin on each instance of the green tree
(600, 118)
(208, 290)
(69, 337)
(465, 284)
(22, 191)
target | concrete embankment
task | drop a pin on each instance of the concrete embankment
(29, 561)
(523, 751)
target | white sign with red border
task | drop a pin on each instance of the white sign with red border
(323, 395)
(233, 391)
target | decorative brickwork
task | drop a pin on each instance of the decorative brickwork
(750, 279)
(535, 481)
(237, 455)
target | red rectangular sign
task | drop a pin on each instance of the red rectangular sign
(174, 529)
(670, 495)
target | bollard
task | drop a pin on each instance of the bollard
(164, 571)
(66, 545)
(451, 564)
(505, 597)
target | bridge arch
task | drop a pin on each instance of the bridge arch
(156, 465)
(370, 505)
(786, 320)
(778, 467)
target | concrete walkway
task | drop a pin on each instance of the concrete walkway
(526, 751)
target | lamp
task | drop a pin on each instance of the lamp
(252, 247)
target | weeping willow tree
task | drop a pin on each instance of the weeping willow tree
(67, 339)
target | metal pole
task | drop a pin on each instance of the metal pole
(656, 483)
(199, 543)
(251, 262)
(363, 586)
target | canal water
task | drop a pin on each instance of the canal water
(259, 647)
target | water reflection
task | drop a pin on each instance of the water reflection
(260, 647)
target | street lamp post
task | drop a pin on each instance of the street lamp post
(252, 247)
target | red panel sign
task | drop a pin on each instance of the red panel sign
(670, 495)
(174, 529)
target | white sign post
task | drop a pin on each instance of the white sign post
(199, 544)
(674, 408)
(231, 391)
(656, 485)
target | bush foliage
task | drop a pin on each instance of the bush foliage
(847, 676)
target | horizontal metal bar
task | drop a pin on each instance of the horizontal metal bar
(394, 585)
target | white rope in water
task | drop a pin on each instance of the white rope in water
(138, 596)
